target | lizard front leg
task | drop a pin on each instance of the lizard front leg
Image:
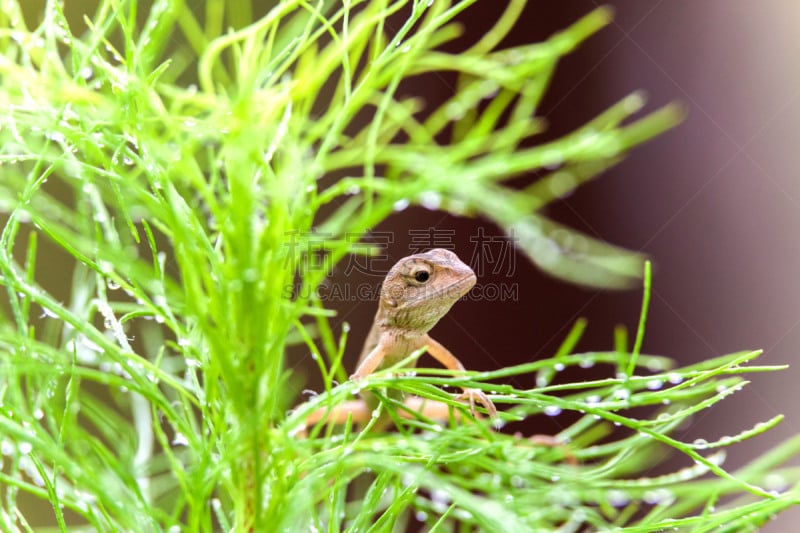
(360, 410)
(444, 356)
(371, 361)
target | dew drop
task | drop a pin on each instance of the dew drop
(430, 200)
(717, 458)
(674, 378)
(659, 496)
(401, 204)
(617, 498)
(654, 384)
(552, 410)
(775, 482)
(6, 447)
(440, 496)
(622, 394)
(47, 313)
(56, 137)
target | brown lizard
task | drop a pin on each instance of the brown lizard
(416, 293)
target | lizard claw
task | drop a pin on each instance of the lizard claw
(476, 394)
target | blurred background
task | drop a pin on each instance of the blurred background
(715, 203)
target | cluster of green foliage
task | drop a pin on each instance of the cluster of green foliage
(181, 167)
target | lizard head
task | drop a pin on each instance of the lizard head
(421, 288)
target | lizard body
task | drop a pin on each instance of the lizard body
(417, 291)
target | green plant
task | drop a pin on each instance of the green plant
(185, 211)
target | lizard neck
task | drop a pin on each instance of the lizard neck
(390, 322)
(384, 327)
(411, 321)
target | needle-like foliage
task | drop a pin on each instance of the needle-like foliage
(169, 182)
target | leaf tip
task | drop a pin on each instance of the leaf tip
(606, 12)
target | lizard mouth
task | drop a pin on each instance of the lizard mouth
(452, 291)
(467, 282)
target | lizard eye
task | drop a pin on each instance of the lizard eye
(422, 276)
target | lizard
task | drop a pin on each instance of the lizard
(417, 291)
